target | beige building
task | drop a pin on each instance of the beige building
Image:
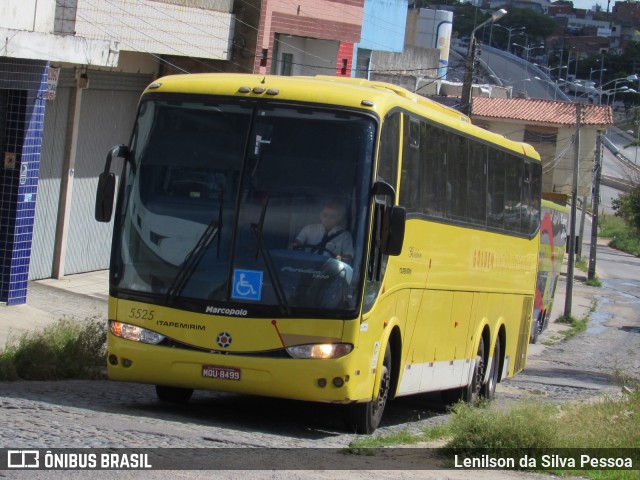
(550, 127)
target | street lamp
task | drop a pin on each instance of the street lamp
(628, 78)
(624, 89)
(528, 49)
(554, 83)
(596, 70)
(508, 29)
(466, 100)
(549, 70)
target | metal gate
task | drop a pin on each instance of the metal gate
(106, 118)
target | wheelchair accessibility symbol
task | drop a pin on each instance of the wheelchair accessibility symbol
(247, 285)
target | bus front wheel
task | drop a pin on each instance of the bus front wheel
(173, 394)
(364, 418)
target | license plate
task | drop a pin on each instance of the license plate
(220, 373)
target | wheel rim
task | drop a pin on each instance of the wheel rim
(480, 371)
(493, 375)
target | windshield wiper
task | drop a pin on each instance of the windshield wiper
(192, 260)
(257, 228)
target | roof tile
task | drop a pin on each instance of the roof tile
(542, 111)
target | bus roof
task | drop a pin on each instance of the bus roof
(358, 93)
(551, 205)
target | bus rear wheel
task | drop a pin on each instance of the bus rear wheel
(173, 394)
(489, 388)
(471, 392)
(536, 328)
(364, 418)
(474, 389)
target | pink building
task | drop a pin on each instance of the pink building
(308, 37)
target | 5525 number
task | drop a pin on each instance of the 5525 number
(141, 314)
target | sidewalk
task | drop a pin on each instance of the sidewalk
(77, 296)
(582, 302)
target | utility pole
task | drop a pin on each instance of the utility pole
(591, 275)
(572, 225)
(467, 97)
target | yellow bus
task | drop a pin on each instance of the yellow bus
(554, 220)
(221, 275)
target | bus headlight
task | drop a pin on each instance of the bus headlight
(322, 350)
(134, 333)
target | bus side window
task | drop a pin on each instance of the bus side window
(513, 194)
(388, 157)
(495, 195)
(410, 191)
(434, 155)
(531, 198)
(477, 184)
(389, 149)
(457, 177)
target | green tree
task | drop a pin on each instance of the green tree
(627, 207)
(537, 26)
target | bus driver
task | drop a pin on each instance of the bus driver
(327, 237)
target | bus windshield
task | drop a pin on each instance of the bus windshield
(246, 205)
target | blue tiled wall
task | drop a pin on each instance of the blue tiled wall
(24, 83)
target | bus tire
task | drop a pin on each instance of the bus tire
(474, 389)
(173, 394)
(536, 328)
(364, 418)
(469, 393)
(489, 388)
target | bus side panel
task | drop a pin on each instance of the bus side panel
(436, 354)
(514, 312)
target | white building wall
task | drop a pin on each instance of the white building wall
(29, 15)
(158, 27)
(310, 56)
(58, 48)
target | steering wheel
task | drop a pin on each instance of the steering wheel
(315, 249)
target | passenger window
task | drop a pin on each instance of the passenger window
(457, 178)
(389, 150)
(513, 207)
(496, 192)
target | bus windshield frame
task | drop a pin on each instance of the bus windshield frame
(215, 198)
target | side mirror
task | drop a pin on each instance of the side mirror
(107, 185)
(384, 189)
(104, 196)
(395, 232)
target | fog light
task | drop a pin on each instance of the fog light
(126, 362)
(113, 360)
(322, 382)
(338, 382)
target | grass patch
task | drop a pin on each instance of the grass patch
(593, 282)
(525, 426)
(400, 438)
(581, 264)
(535, 428)
(63, 350)
(612, 424)
(620, 235)
(576, 325)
